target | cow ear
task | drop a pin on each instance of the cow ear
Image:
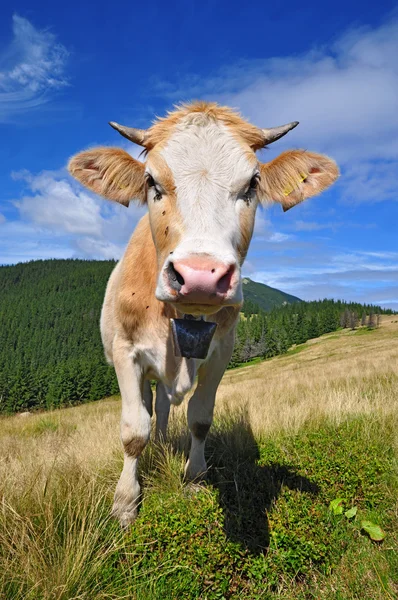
(110, 172)
(294, 176)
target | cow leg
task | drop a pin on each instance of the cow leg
(148, 396)
(201, 406)
(162, 410)
(135, 428)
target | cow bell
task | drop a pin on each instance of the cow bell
(191, 336)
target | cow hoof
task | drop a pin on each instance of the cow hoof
(125, 516)
(195, 473)
(193, 488)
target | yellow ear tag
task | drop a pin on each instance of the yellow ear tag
(120, 185)
(288, 191)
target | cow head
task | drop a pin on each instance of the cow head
(202, 183)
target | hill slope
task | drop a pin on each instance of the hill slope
(264, 296)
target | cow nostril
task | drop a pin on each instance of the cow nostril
(224, 283)
(179, 277)
(175, 275)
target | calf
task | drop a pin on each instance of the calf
(202, 182)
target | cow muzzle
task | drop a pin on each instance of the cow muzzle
(199, 280)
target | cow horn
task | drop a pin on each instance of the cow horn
(138, 136)
(275, 133)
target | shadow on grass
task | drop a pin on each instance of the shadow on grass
(247, 491)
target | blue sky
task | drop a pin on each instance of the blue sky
(66, 69)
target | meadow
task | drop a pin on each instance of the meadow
(291, 435)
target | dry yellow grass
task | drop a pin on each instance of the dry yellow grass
(334, 376)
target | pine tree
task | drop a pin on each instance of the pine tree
(313, 327)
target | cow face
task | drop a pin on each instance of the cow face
(202, 202)
(202, 183)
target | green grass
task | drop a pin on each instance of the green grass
(260, 528)
(45, 425)
(263, 524)
(295, 350)
(364, 331)
(253, 361)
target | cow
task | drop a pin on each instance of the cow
(201, 182)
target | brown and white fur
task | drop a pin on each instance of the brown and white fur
(202, 183)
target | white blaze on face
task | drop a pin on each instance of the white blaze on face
(211, 171)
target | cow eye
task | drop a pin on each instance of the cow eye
(251, 188)
(152, 184)
(150, 181)
(254, 182)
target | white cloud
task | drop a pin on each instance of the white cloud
(313, 226)
(263, 230)
(95, 248)
(2, 219)
(20, 242)
(387, 255)
(31, 69)
(261, 224)
(277, 237)
(56, 207)
(370, 181)
(345, 95)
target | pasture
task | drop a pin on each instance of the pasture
(290, 435)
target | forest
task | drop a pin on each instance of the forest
(50, 348)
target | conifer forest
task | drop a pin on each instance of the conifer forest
(50, 347)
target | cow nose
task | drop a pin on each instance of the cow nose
(200, 280)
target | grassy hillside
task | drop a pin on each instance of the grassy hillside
(291, 434)
(264, 296)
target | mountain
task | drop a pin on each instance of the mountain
(264, 296)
